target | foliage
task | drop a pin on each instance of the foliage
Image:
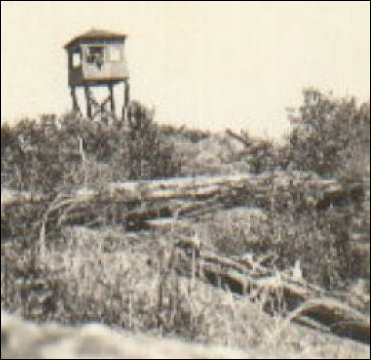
(126, 279)
(69, 152)
(149, 154)
(330, 136)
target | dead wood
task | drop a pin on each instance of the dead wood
(136, 203)
(201, 188)
(338, 317)
(239, 138)
(302, 302)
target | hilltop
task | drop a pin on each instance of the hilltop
(219, 239)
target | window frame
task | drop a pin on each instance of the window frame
(76, 59)
(90, 58)
(116, 50)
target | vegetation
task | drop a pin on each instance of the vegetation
(331, 136)
(49, 156)
(97, 269)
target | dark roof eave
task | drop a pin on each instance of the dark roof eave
(95, 36)
(76, 42)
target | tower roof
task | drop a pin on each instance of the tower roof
(95, 34)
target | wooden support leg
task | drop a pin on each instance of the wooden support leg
(103, 113)
(126, 100)
(75, 104)
(88, 102)
(112, 100)
(127, 93)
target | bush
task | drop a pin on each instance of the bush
(331, 136)
(150, 154)
(321, 241)
(48, 156)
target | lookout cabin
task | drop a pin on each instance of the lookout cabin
(95, 58)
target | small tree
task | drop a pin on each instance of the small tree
(151, 155)
(330, 135)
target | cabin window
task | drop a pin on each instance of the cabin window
(95, 55)
(115, 54)
(76, 59)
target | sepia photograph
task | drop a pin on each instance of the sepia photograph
(185, 179)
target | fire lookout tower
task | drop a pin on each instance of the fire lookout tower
(97, 59)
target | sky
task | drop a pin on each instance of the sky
(205, 64)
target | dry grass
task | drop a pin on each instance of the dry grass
(101, 272)
(135, 288)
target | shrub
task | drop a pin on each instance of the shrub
(48, 156)
(150, 154)
(330, 136)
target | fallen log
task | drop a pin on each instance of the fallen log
(243, 140)
(267, 185)
(303, 303)
(339, 318)
(137, 202)
(11, 197)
